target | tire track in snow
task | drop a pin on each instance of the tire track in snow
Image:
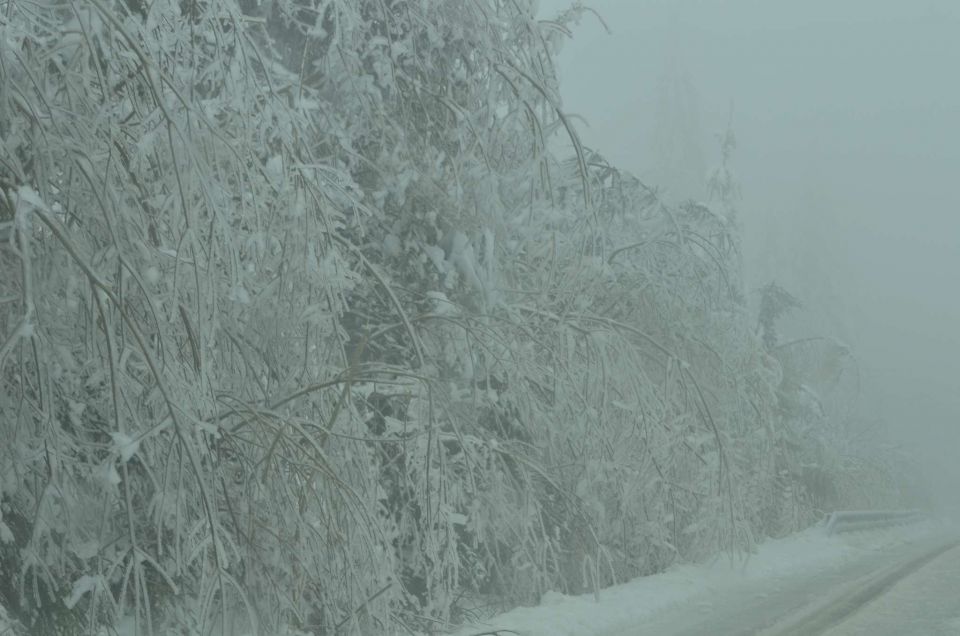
(818, 617)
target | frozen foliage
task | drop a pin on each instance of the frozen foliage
(302, 327)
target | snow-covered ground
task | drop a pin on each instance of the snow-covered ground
(925, 603)
(678, 599)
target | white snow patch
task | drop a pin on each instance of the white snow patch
(124, 446)
(81, 586)
(239, 294)
(152, 275)
(274, 169)
(392, 247)
(442, 306)
(108, 474)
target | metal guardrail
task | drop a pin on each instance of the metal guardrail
(852, 520)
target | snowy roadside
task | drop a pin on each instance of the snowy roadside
(624, 606)
(695, 587)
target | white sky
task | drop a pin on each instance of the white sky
(847, 115)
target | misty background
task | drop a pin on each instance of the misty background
(295, 294)
(847, 117)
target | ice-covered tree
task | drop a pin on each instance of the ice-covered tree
(302, 325)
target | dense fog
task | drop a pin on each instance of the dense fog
(847, 116)
(392, 316)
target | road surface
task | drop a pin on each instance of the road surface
(924, 603)
(912, 590)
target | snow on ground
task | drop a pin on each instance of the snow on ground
(626, 606)
(925, 602)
